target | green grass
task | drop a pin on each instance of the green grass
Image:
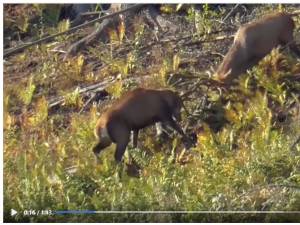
(246, 166)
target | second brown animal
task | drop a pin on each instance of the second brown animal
(253, 41)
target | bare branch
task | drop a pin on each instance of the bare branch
(12, 51)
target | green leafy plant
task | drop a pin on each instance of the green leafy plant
(26, 95)
(73, 99)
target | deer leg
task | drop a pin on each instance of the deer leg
(120, 134)
(122, 143)
(120, 150)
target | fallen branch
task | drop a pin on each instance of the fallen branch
(74, 48)
(93, 87)
(230, 13)
(98, 33)
(220, 38)
(165, 41)
(152, 16)
(87, 102)
(11, 51)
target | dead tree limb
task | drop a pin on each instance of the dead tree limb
(99, 32)
(220, 38)
(95, 88)
(82, 43)
(152, 16)
(11, 51)
(230, 13)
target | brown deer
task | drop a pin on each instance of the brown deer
(136, 110)
(253, 41)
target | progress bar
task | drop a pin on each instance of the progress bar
(172, 212)
(75, 212)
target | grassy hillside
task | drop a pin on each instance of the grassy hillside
(246, 157)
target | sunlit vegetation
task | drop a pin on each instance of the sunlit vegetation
(249, 162)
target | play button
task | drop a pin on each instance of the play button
(13, 212)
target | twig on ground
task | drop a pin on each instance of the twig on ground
(86, 104)
(93, 87)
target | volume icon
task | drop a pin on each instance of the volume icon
(13, 212)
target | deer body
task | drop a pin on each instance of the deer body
(253, 41)
(134, 111)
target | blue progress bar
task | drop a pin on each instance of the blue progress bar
(75, 212)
